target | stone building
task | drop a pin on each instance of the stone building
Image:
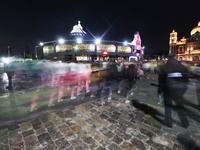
(187, 49)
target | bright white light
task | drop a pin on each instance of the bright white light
(61, 41)
(97, 41)
(79, 40)
(5, 77)
(41, 44)
(125, 43)
(5, 60)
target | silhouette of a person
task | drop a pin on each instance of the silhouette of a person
(172, 80)
(197, 83)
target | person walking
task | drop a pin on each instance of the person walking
(173, 79)
(120, 74)
(107, 85)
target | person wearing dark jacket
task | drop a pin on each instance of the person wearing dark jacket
(173, 79)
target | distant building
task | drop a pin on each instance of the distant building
(80, 46)
(187, 49)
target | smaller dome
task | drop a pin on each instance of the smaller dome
(196, 29)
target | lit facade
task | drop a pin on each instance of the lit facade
(187, 49)
(87, 49)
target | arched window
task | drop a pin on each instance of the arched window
(196, 58)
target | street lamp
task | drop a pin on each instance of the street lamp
(8, 51)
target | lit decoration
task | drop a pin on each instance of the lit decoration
(136, 43)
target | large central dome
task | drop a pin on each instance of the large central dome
(196, 29)
(78, 30)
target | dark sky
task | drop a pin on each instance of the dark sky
(30, 22)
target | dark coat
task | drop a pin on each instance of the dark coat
(173, 78)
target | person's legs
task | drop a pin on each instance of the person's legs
(168, 109)
(198, 92)
(72, 94)
(108, 89)
(119, 86)
(181, 111)
(61, 93)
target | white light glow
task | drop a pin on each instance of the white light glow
(97, 41)
(5, 60)
(61, 41)
(125, 43)
(79, 40)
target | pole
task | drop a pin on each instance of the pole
(8, 51)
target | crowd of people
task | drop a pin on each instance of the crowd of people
(74, 79)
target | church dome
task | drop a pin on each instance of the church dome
(195, 29)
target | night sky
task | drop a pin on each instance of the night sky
(30, 22)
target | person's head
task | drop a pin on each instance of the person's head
(119, 60)
(171, 56)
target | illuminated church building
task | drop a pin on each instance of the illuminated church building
(187, 49)
(80, 47)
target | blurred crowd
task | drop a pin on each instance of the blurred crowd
(74, 78)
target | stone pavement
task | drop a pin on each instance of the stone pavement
(114, 126)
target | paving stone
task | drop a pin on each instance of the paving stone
(19, 145)
(114, 146)
(31, 142)
(61, 143)
(88, 139)
(127, 146)
(25, 126)
(15, 138)
(117, 139)
(3, 132)
(75, 128)
(27, 133)
(41, 131)
(138, 143)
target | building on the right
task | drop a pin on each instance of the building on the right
(187, 49)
